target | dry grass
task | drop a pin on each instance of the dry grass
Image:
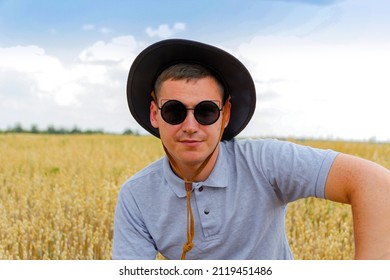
(58, 194)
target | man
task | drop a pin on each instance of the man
(215, 197)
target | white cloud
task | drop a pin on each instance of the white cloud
(119, 49)
(179, 26)
(49, 78)
(45, 90)
(319, 90)
(105, 30)
(165, 31)
(30, 59)
(88, 27)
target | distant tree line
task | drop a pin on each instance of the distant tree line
(51, 129)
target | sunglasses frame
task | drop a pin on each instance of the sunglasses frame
(214, 102)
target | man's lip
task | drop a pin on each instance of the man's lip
(190, 141)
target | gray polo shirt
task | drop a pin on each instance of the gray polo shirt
(239, 211)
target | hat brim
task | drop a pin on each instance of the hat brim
(229, 70)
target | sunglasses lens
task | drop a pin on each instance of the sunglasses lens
(173, 112)
(207, 112)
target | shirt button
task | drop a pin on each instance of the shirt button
(206, 211)
(201, 189)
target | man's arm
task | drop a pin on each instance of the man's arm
(366, 186)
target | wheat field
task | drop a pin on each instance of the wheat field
(58, 195)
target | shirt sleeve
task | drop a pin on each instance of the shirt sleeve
(296, 171)
(132, 240)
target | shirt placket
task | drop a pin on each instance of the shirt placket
(207, 211)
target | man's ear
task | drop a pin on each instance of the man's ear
(153, 114)
(226, 111)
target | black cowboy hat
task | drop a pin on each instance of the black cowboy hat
(229, 70)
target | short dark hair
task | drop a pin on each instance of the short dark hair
(186, 71)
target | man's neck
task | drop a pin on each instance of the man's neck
(188, 171)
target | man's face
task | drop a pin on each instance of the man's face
(189, 142)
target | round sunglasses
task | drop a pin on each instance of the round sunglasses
(174, 112)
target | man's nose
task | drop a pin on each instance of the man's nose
(190, 124)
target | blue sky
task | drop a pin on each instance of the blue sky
(320, 67)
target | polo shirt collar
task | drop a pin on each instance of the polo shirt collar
(217, 178)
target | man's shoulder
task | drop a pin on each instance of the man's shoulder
(248, 145)
(148, 174)
(271, 144)
(268, 150)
